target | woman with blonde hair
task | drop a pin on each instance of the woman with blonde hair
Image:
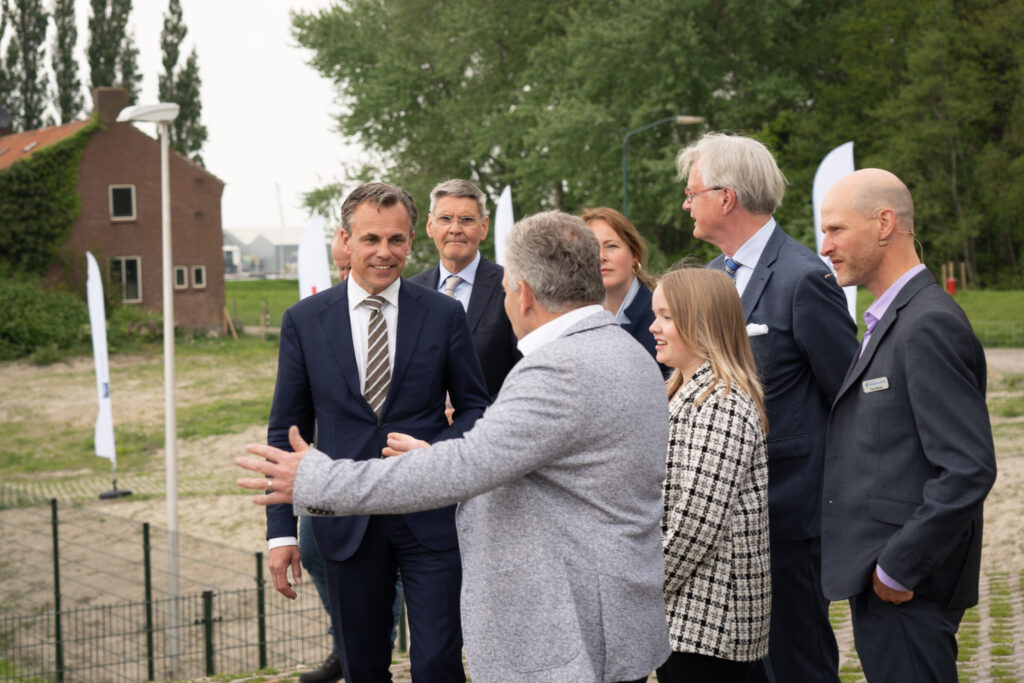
(715, 525)
(627, 284)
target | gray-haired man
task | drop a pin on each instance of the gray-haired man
(803, 339)
(559, 482)
(458, 223)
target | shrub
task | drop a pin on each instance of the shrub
(33, 319)
(131, 326)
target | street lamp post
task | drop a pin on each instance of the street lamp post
(162, 114)
(681, 120)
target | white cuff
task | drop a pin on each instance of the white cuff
(280, 541)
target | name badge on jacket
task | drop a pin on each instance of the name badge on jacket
(876, 384)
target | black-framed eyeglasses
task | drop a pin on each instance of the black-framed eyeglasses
(690, 194)
(446, 221)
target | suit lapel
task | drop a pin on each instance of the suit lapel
(762, 272)
(411, 314)
(337, 326)
(860, 363)
(431, 275)
(483, 287)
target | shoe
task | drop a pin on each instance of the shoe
(328, 672)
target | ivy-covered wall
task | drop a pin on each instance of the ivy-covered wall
(39, 203)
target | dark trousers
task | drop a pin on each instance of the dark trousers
(309, 553)
(801, 644)
(362, 591)
(688, 667)
(910, 643)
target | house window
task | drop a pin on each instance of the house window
(126, 271)
(180, 277)
(199, 277)
(122, 202)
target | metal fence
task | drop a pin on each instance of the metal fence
(84, 598)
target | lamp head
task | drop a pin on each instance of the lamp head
(164, 112)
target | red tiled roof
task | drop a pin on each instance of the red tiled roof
(20, 145)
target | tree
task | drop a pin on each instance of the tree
(67, 94)
(539, 94)
(112, 52)
(128, 65)
(932, 92)
(26, 54)
(5, 83)
(181, 85)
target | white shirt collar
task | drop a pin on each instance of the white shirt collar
(750, 253)
(553, 329)
(468, 274)
(356, 294)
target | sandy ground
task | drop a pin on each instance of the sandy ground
(234, 520)
(211, 508)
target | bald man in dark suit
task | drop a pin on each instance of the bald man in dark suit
(909, 457)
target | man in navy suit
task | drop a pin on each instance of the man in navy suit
(909, 459)
(458, 223)
(803, 338)
(405, 347)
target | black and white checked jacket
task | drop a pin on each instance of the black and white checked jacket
(715, 526)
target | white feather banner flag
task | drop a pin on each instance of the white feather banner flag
(503, 222)
(104, 435)
(314, 271)
(835, 165)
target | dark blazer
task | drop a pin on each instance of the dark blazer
(801, 362)
(910, 456)
(640, 318)
(493, 338)
(318, 383)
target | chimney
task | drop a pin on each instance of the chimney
(109, 102)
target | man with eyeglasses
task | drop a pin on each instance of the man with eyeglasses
(458, 223)
(803, 339)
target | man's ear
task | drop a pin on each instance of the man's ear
(486, 228)
(728, 200)
(886, 224)
(527, 300)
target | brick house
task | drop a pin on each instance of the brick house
(120, 219)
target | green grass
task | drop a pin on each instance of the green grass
(1010, 381)
(967, 637)
(222, 417)
(1006, 407)
(1000, 609)
(986, 309)
(245, 299)
(209, 374)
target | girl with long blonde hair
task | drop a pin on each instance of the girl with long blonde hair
(715, 524)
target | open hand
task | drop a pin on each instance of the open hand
(278, 465)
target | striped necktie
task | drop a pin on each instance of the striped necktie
(378, 366)
(731, 267)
